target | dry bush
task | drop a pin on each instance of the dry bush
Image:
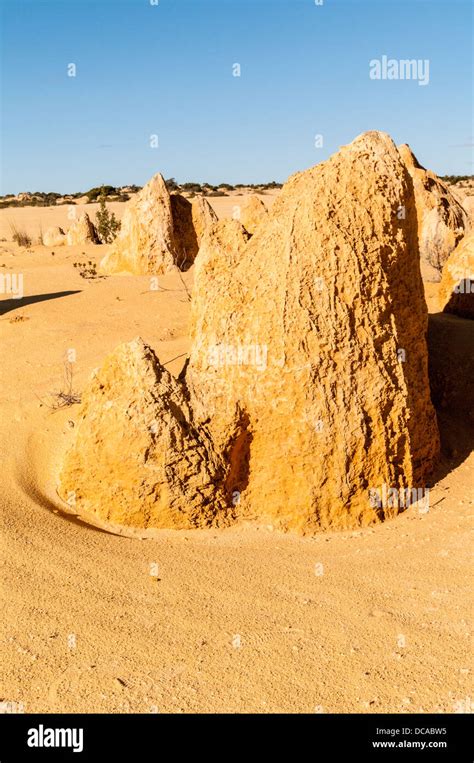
(20, 236)
(65, 396)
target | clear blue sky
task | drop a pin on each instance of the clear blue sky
(167, 70)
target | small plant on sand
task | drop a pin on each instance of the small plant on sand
(20, 236)
(87, 270)
(66, 396)
(106, 223)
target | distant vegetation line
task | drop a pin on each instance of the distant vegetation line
(456, 178)
(122, 193)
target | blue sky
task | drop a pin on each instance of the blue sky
(166, 70)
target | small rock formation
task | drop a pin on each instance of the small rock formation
(456, 290)
(441, 218)
(190, 220)
(308, 361)
(54, 236)
(159, 232)
(253, 213)
(137, 459)
(82, 231)
(145, 243)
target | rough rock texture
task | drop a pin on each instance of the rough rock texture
(190, 220)
(219, 251)
(253, 213)
(54, 236)
(456, 290)
(441, 218)
(145, 244)
(308, 361)
(136, 459)
(159, 232)
(82, 232)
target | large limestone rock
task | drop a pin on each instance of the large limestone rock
(456, 290)
(441, 218)
(54, 236)
(308, 362)
(145, 243)
(253, 213)
(137, 459)
(190, 220)
(82, 231)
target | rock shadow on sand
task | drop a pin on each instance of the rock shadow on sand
(7, 305)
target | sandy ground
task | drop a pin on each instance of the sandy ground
(243, 620)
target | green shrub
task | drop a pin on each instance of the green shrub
(106, 223)
(95, 193)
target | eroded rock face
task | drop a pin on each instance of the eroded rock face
(308, 361)
(137, 459)
(441, 218)
(456, 290)
(253, 213)
(145, 243)
(54, 236)
(190, 220)
(82, 232)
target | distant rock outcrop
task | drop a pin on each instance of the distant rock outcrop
(190, 220)
(442, 221)
(159, 232)
(145, 243)
(54, 236)
(137, 459)
(82, 231)
(308, 360)
(456, 290)
(253, 213)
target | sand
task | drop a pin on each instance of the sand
(240, 620)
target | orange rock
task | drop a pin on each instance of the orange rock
(456, 290)
(145, 243)
(442, 221)
(309, 362)
(190, 220)
(306, 394)
(158, 233)
(253, 213)
(82, 232)
(137, 459)
(54, 236)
